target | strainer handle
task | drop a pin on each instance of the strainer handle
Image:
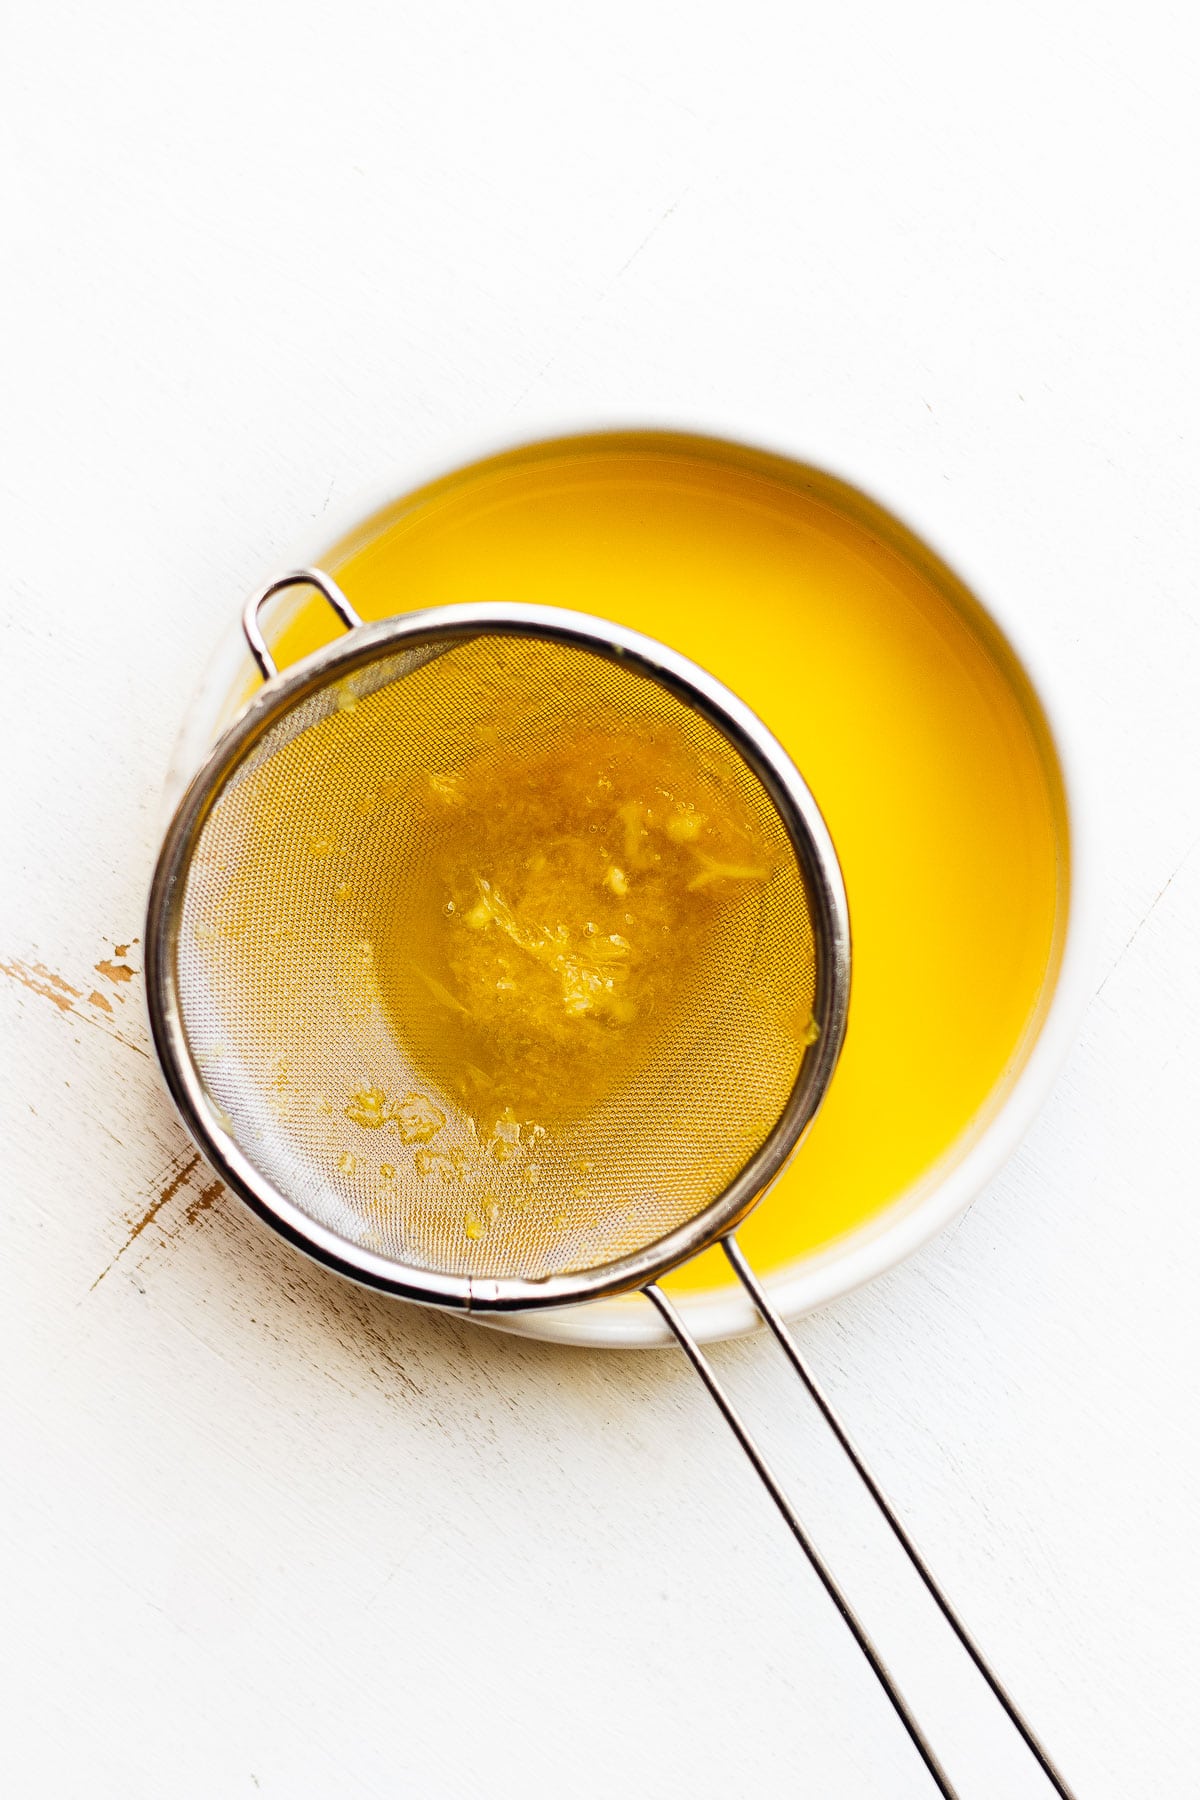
(770, 1481)
(327, 588)
(787, 1343)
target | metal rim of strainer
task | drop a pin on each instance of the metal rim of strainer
(784, 785)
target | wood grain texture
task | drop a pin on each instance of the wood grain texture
(264, 1532)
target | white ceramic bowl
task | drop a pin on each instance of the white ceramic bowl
(944, 1190)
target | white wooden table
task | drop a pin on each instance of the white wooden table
(263, 1532)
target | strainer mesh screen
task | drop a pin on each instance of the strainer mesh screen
(496, 958)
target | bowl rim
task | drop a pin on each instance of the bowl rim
(944, 1190)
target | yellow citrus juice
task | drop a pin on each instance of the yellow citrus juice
(900, 704)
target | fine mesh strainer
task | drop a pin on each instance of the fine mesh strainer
(391, 1022)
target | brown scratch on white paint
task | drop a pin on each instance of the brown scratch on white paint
(47, 984)
(167, 1192)
(40, 980)
(208, 1196)
(113, 971)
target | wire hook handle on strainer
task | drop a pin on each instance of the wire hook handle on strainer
(261, 970)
